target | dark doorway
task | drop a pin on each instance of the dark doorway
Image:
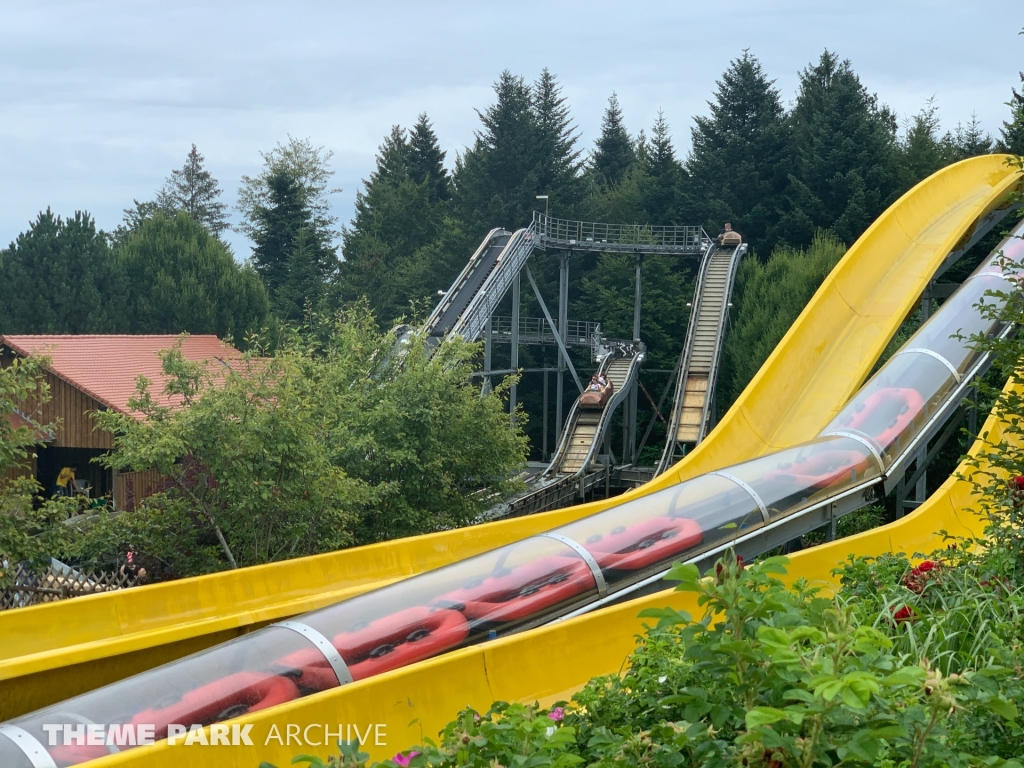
(52, 460)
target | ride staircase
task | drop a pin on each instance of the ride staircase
(699, 361)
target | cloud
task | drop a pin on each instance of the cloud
(101, 100)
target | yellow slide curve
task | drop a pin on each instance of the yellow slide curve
(53, 651)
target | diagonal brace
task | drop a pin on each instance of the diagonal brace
(554, 328)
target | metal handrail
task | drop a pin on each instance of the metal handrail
(579, 333)
(460, 280)
(600, 236)
(510, 262)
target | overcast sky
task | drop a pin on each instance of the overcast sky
(100, 100)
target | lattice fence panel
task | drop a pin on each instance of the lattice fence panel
(60, 583)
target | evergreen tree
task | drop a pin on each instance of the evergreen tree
(664, 174)
(59, 277)
(614, 154)
(291, 253)
(309, 168)
(842, 155)
(967, 141)
(497, 180)
(393, 166)
(426, 160)
(132, 220)
(768, 297)
(193, 189)
(558, 159)
(737, 167)
(181, 278)
(393, 252)
(1013, 129)
(921, 152)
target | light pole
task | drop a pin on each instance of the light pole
(545, 199)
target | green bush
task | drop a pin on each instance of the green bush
(330, 442)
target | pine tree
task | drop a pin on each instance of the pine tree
(426, 160)
(921, 152)
(180, 278)
(736, 168)
(291, 253)
(60, 277)
(665, 175)
(614, 154)
(393, 255)
(1012, 131)
(558, 159)
(193, 189)
(967, 141)
(497, 179)
(393, 161)
(842, 155)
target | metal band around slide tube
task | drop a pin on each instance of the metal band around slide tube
(323, 645)
(29, 745)
(937, 356)
(1005, 277)
(748, 489)
(595, 569)
(863, 441)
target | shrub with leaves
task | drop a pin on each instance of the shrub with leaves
(31, 528)
(335, 440)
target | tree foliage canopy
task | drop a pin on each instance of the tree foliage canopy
(193, 189)
(180, 278)
(59, 277)
(316, 448)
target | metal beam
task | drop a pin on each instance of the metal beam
(516, 286)
(563, 322)
(558, 336)
(487, 356)
(923, 460)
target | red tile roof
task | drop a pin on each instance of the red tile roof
(106, 367)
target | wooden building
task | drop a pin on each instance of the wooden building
(97, 373)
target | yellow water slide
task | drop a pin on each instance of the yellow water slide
(53, 651)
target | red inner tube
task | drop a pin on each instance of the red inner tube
(222, 699)
(400, 639)
(523, 591)
(820, 470)
(886, 413)
(645, 544)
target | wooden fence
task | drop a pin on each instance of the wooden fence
(60, 582)
(132, 487)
